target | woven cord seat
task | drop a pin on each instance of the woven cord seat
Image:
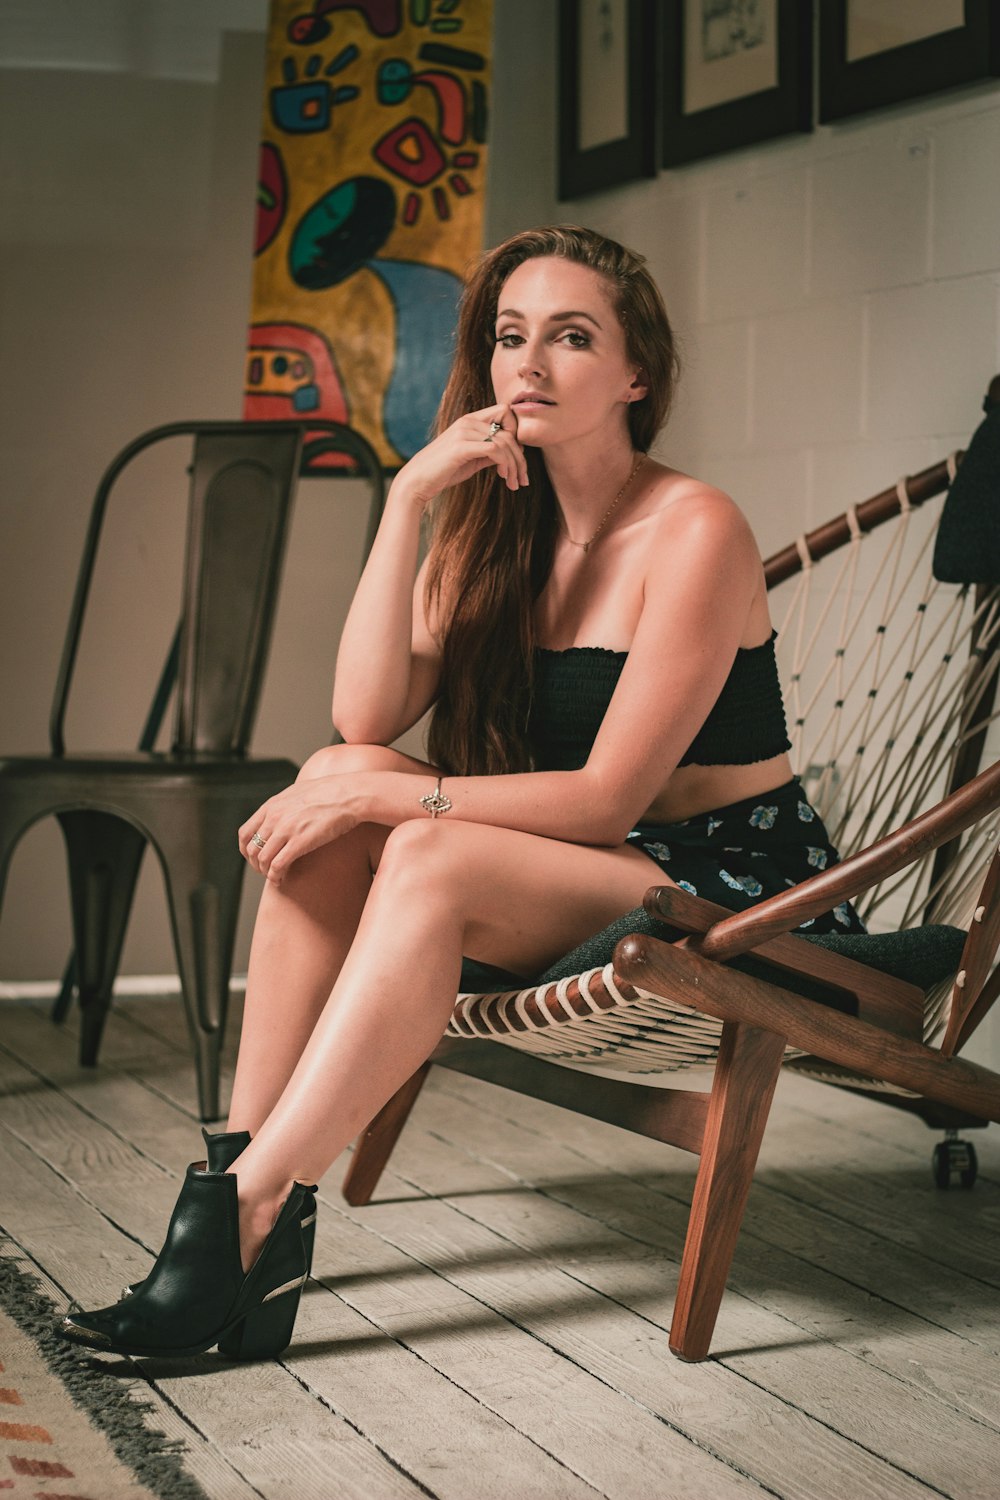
(589, 1018)
(890, 679)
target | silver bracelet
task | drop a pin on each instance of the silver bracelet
(436, 802)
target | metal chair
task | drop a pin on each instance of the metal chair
(187, 802)
(890, 680)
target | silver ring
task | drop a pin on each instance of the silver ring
(495, 427)
(255, 838)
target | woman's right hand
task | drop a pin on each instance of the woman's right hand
(461, 451)
(388, 664)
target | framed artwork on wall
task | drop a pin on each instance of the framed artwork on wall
(607, 94)
(735, 72)
(877, 52)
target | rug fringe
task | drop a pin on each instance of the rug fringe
(152, 1456)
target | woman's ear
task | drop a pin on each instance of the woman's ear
(639, 387)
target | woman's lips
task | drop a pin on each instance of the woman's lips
(522, 407)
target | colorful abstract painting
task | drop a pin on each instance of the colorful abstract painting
(369, 210)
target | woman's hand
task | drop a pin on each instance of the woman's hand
(298, 820)
(462, 450)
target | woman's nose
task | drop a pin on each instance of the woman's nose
(531, 363)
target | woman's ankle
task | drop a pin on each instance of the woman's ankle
(258, 1211)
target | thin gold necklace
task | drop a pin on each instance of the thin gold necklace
(586, 546)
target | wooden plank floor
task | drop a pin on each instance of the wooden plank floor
(494, 1323)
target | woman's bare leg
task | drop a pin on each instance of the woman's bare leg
(303, 931)
(443, 888)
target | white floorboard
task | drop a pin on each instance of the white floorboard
(494, 1323)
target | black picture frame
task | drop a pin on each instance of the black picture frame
(634, 155)
(946, 60)
(758, 116)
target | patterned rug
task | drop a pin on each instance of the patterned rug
(69, 1430)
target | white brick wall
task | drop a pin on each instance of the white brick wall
(836, 296)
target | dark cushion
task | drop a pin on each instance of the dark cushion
(920, 956)
(967, 549)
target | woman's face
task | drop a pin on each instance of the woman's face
(560, 361)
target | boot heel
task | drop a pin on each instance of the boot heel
(267, 1331)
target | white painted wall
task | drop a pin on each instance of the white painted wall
(128, 162)
(836, 297)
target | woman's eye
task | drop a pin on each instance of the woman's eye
(509, 340)
(576, 339)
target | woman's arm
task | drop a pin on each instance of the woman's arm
(388, 662)
(703, 576)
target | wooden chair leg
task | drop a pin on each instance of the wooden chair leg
(373, 1149)
(745, 1077)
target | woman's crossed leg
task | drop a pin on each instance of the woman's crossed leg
(356, 962)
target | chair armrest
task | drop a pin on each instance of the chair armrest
(779, 914)
(687, 978)
(880, 998)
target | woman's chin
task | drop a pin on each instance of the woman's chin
(531, 433)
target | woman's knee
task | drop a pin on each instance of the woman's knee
(333, 760)
(425, 853)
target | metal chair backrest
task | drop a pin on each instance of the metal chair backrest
(243, 483)
(231, 461)
(243, 479)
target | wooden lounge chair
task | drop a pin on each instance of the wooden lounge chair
(890, 679)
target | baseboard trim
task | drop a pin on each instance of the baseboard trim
(128, 987)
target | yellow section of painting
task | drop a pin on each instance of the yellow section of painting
(357, 315)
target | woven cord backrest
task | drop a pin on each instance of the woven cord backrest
(888, 678)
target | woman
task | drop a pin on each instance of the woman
(591, 628)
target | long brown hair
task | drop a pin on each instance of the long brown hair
(492, 547)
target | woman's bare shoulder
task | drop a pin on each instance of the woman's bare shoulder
(685, 507)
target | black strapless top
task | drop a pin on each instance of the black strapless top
(573, 688)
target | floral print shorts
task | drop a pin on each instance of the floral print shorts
(744, 852)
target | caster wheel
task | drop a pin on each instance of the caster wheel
(954, 1158)
(967, 1175)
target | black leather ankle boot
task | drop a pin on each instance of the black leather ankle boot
(224, 1147)
(257, 1331)
(196, 1295)
(221, 1150)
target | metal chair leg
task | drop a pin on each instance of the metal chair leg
(203, 888)
(104, 854)
(64, 999)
